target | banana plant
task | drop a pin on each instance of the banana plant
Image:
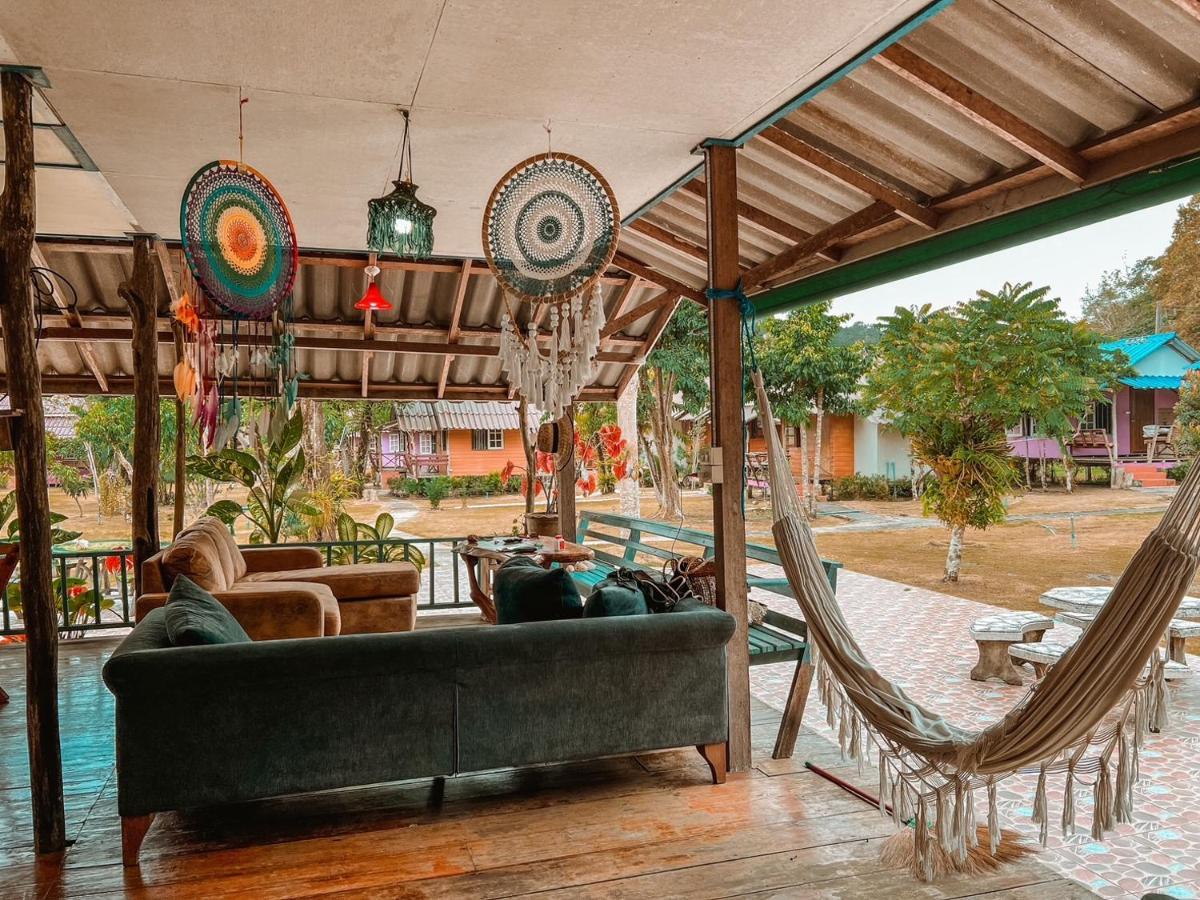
(10, 547)
(272, 476)
(350, 531)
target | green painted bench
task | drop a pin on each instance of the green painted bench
(780, 637)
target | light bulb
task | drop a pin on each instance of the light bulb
(404, 226)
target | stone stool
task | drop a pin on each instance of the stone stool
(996, 633)
(1044, 654)
(1177, 632)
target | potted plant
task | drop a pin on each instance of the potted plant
(545, 484)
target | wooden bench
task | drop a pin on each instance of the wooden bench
(780, 637)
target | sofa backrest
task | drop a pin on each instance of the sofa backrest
(205, 552)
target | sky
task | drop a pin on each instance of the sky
(1067, 262)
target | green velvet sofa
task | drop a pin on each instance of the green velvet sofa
(198, 726)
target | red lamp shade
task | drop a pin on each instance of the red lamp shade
(373, 299)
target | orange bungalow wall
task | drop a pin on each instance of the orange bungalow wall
(837, 445)
(466, 461)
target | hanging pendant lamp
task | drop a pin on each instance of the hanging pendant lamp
(400, 223)
(373, 299)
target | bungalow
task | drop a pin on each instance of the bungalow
(1123, 424)
(445, 437)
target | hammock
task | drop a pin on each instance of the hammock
(1083, 721)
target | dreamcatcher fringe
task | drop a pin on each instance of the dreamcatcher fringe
(936, 799)
(552, 381)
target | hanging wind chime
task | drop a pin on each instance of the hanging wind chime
(550, 230)
(242, 257)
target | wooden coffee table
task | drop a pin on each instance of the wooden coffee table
(485, 555)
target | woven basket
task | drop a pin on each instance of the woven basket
(701, 578)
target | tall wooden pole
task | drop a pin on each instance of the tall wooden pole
(725, 378)
(141, 294)
(180, 443)
(17, 232)
(567, 467)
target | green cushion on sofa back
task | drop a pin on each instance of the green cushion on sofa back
(194, 616)
(525, 592)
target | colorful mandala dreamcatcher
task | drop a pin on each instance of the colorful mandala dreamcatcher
(242, 257)
(550, 230)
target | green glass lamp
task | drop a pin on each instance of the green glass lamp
(399, 222)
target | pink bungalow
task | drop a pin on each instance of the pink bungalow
(1132, 427)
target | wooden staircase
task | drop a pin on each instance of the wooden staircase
(1148, 475)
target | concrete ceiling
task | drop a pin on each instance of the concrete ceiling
(150, 92)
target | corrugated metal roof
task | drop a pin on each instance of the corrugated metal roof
(1112, 82)
(448, 415)
(1154, 382)
(327, 287)
(1138, 348)
(60, 419)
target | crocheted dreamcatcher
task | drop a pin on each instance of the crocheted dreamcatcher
(550, 230)
(242, 256)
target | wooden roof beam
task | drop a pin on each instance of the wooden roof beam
(653, 305)
(823, 162)
(635, 267)
(666, 311)
(668, 238)
(762, 219)
(867, 217)
(71, 316)
(460, 293)
(1191, 7)
(979, 109)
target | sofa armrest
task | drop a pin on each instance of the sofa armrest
(280, 559)
(277, 610)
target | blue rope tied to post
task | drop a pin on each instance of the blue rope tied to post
(749, 316)
(749, 319)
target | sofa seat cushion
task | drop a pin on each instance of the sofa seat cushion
(196, 555)
(378, 615)
(525, 592)
(195, 617)
(363, 581)
(283, 609)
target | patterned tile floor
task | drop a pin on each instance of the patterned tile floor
(921, 639)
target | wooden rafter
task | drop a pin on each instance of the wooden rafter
(818, 159)
(324, 390)
(979, 109)
(367, 346)
(652, 335)
(1191, 7)
(460, 293)
(777, 265)
(72, 318)
(368, 335)
(636, 267)
(618, 307)
(762, 218)
(670, 239)
(654, 304)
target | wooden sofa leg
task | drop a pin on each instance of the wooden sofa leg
(715, 756)
(133, 832)
(793, 712)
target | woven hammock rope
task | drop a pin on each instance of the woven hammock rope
(550, 228)
(1084, 721)
(238, 239)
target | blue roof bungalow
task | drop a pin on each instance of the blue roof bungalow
(1141, 406)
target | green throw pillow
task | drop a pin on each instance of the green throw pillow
(525, 592)
(611, 599)
(194, 617)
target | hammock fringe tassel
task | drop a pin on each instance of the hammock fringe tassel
(1085, 721)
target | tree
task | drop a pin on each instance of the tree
(104, 429)
(1178, 282)
(675, 379)
(955, 380)
(1187, 416)
(1125, 302)
(806, 371)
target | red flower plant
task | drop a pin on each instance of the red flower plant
(76, 590)
(112, 564)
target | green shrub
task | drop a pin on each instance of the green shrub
(1179, 472)
(396, 486)
(869, 487)
(436, 490)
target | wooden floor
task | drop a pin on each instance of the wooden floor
(649, 826)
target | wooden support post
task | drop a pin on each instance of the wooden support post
(725, 352)
(181, 425)
(17, 228)
(566, 475)
(141, 295)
